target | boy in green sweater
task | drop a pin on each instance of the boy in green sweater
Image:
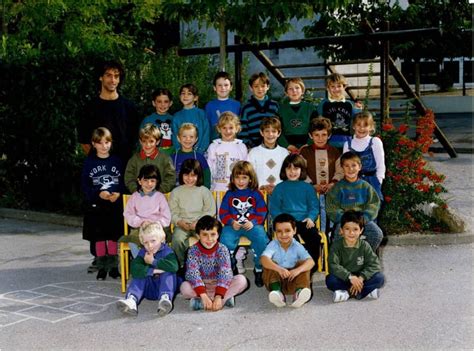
(354, 268)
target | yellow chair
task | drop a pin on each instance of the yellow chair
(124, 251)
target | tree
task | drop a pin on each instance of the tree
(452, 17)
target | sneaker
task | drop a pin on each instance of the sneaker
(240, 266)
(93, 266)
(230, 302)
(340, 295)
(374, 294)
(128, 306)
(301, 297)
(164, 305)
(240, 256)
(277, 298)
(196, 304)
(114, 273)
(258, 278)
(101, 274)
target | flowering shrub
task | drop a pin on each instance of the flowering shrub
(409, 184)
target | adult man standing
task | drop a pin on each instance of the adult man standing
(112, 111)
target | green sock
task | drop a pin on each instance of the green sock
(275, 286)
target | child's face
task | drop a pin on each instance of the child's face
(241, 181)
(259, 89)
(351, 232)
(187, 138)
(148, 185)
(187, 98)
(294, 92)
(208, 238)
(228, 131)
(361, 129)
(162, 104)
(270, 136)
(292, 172)
(319, 137)
(110, 80)
(190, 179)
(336, 90)
(151, 243)
(102, 147)
(351, 170)
(223, 88)
(284, 233)
(148, 145)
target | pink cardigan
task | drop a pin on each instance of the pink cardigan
(141, 208)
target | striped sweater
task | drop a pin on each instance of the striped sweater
(251, 116)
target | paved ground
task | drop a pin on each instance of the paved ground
(49, 302)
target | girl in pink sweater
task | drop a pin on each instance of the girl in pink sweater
(145, 206)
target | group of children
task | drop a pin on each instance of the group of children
(292, 159)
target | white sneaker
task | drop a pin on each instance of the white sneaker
(301, 298)
(277, 298)
(164, 305)
(128, 306)
(374, 294)
(340, 295)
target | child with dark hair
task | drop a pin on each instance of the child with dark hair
(145, 206)
(209, 281)
(243, 211)
(354, 268)
(188, 95)
(286, 265)
(188, 202)
(162, 100)
(222, 84)
(298, 198)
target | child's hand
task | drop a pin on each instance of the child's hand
(236, 225)
(319, 188)
(329, 186)
(293, 149)
(145, 223)
(293, 274)
(183, 224)
(217, 303)
(309, 223)
(247, 225)
(148, 258)
(206, 302)
(192, 225)
(357, 284)
(359, 104)
(284, 273)
(104, 195)
(114, 196)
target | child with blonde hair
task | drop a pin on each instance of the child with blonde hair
(243, 211)
(102, 184)
(370, 150)
(224, 152)
(153, 273)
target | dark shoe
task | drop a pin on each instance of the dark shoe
(114, 273)
(101, 274)
(93, 266)
(258, 279)
(233, 265)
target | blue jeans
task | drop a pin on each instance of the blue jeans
(375, 282)
(257, 235)
(372, 232)
(153, 287)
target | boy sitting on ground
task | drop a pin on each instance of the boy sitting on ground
(354, 268)
(286, 265)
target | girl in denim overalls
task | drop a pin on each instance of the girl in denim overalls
(369, 149)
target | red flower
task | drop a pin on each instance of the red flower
(387, 127)
(388, 199)
(403, 128)
(437, 189)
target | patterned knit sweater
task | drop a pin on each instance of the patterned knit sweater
(209, 264)
(357, 196)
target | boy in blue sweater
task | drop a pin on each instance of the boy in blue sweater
(222, 86)
(354, 268)
(258, 106)
(353, 193)
(153, 272)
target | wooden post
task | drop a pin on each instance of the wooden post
(386, 53)
(238, 70)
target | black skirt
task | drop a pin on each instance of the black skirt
(103, 220)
